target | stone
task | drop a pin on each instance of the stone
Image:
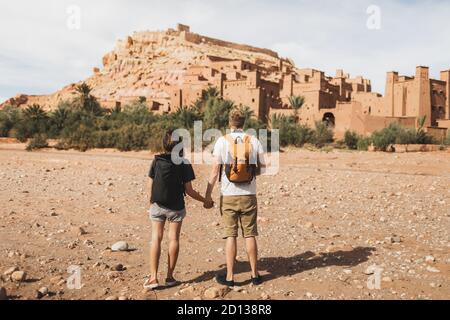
(118, 267)
(10, 271)
(396, 239)
(347, 271)
(81, 231)
(120, 246)
(113, 275)
(430, 259)
(123, 298)
(19, 276)
(265, 296)
(44, 291)
(56, 279)
(309, 225)
(72, 245)
(112, 298)
(433, 269)
(187, 290)
(212, 293)
(215, 292)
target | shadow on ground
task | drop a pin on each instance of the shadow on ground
(277, 267)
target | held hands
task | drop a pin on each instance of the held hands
(208, 204)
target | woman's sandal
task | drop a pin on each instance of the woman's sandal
(151, 285)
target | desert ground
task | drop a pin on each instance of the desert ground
(323, 220)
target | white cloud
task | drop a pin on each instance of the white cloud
(39, 54)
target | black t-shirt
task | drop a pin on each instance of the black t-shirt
(168, 182)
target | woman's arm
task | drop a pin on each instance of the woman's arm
(150, 187)
(192, 193)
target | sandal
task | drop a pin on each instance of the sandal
(151, 285)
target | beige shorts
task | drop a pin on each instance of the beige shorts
(239, 211)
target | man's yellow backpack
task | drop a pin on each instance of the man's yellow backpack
(240, 170)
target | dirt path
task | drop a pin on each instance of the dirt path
(324, 219)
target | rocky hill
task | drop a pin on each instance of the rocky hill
(151, 64)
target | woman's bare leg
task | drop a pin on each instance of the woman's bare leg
(155, 249)
(174, 247)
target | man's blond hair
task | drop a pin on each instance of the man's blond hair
(237, 119)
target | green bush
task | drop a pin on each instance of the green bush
(447, 139)
(363, 143)
(133, 137)
(290, 132)
(82, 124)
(9, 117)
(39, 141)
(385, 137)
(351, 139)
(395, 134)
(216, 113)
(322, 134)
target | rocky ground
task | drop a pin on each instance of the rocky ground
(324, 220)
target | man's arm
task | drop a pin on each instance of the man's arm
(215, 172)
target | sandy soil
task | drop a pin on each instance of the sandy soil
(324, 219)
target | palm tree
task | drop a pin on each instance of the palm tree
(421, 135)
(35, 112)
(247, 111)
(86, 101)
(84, 89)
(211, 92)
(116, 110)
(35, 120)
(186, 116)
(60, 116)
(296, 103)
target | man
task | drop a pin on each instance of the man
(238, 203)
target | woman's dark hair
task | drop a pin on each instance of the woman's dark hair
(169, 144)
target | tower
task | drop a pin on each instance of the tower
(391, 79)
(445, 76)
(423, 94)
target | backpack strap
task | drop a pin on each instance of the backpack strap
(233, 149)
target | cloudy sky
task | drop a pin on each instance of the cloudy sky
(40, 53)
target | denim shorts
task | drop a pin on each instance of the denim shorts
(161, 214)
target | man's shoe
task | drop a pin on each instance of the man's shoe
(222, 280)
(171, 282)
(257, 281)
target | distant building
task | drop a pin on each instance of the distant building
(173, 68)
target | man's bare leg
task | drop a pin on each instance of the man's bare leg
(231, 252)
(252, 252)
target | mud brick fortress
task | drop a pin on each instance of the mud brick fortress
(173, 68)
